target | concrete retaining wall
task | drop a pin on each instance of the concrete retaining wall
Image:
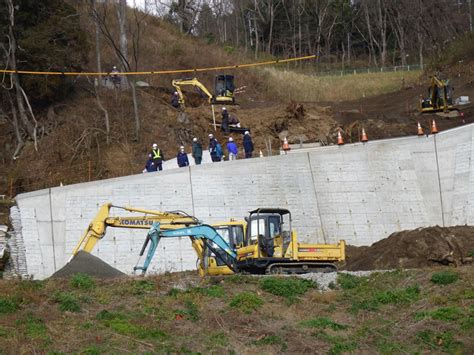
(359, 192)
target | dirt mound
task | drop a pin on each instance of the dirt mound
(87, 264)
(417, 248)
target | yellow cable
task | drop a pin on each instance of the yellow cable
(160, 72)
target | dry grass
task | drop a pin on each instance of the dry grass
(296, 86)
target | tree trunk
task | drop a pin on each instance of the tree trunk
(30, 128)
(97, 40)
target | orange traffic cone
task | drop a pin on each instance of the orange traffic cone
(286, 146)
(340, 141)
(420, 130)
(434, 129)
(363, 137)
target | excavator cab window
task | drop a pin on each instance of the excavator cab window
(232, 234)
(224, 85)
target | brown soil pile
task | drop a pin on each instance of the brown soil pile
(422, 247)
(89, 264)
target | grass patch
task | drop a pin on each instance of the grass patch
(8, 305)
(398, 296)
(216, 291)
(34, 327)
(82, 282)
(342, 347)
(141, 287)
(290, 85)
(271, 340)
(218, 339)
(67, 302)
(443, 341)
(349, 282)
(246, 302)
(323, 323)
(287, 287)
(191, 311)
(444, 277)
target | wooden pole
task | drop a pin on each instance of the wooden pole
(11, 188)
(214, 118)
(90, 170)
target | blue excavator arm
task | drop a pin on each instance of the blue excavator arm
(208, 234)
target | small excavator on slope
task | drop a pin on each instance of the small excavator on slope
(269, 246)
(223, 90)
(440, 97)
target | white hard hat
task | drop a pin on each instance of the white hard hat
(231, 139)
(246, 132)
(115, 67)
(155, 145)
(182, 147)
(224, 109)
(176, 93)
(195, 139)
(211, 135)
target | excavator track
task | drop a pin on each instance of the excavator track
(299, 268)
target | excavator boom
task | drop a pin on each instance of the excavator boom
(97, 228)
(211, 238)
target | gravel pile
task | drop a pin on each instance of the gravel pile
(89, 264)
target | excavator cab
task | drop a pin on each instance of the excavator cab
(224, 89)
(270, 230)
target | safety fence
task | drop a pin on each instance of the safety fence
(354, 71)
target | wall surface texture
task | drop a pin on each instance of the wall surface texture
(358, 192)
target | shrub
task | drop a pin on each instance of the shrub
(67, 302)
(82, 282)
(323, 323)
(444, 277)
(289, 288)
(191, 311)
(246, 302)
(213, 291)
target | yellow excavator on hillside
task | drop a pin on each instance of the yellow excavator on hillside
(232, 231)
(223, 94)
(440, 97)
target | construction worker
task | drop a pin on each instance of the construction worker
(175, 100)
(248, 145)
(225, 121)
(213, 148)
(157, 156)
(232, 149)
(197, 151)
(182, 158)
(150, 166)
(114, 76)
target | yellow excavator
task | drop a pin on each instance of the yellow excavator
(440, 97)
(270, 246)
(224, 89)
(232, 231)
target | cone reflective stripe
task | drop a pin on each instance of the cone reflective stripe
(420, 130)
(364, 136)
(340, 141)
(434, 129)
(286, 146)
(261, 154)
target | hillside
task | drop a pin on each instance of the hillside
(72, 145)
(417, 311)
